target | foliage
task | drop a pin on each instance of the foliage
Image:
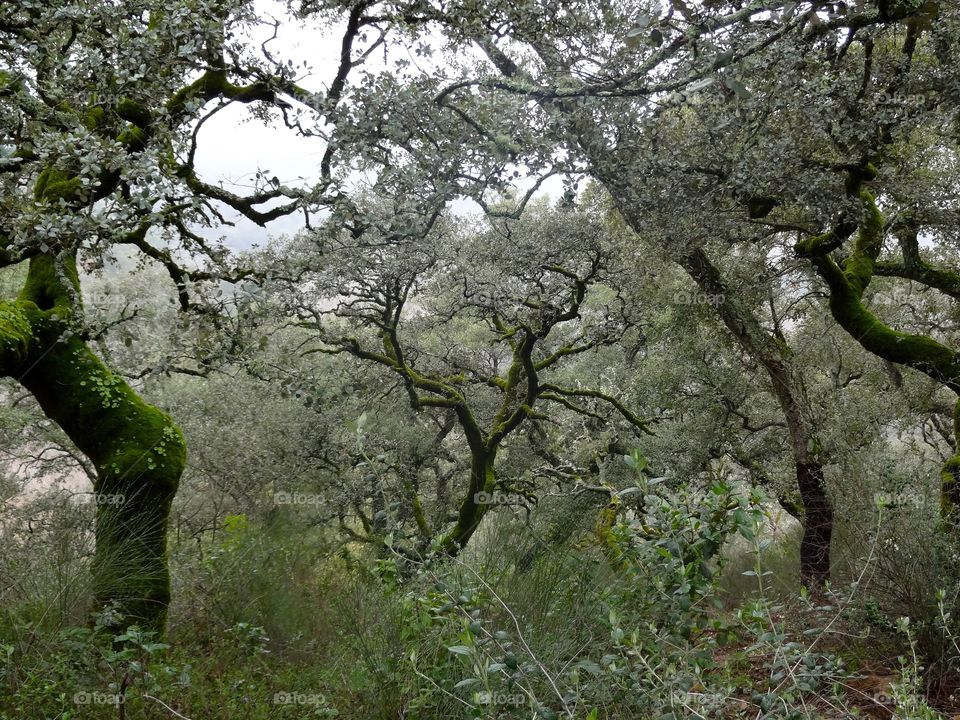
(611, 371)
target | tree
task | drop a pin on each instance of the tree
(475, 323)
(103, 104)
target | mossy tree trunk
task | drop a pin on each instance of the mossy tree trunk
(138, 452)
(483, 479)
(775, 357)
(950, 473)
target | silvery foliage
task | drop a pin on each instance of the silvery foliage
(72, 73)
(687, 112)
(684, 111)
(66, 57)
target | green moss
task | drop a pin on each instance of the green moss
(606, 521)
(417, 506)
(54, 185)
(916, 351)
(950, 474)
(859, 267)
(783, 347)
(43, 287)
(950, 487)
(139, 455)
(9, 84)
(846, 305)
(846, 291)
(810, 245)
(482, 479)
(94, 118)
(210, 84)
(133, 138)
(15, 336)
(856, 176)
(134, 112)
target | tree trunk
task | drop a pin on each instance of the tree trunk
(477, 501)
(817, 527)
(612, 170)
(950, 476)
(138, 452)
(788, 389)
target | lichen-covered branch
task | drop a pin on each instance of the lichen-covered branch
(627, 414)
(530, 327)
(914, 267)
